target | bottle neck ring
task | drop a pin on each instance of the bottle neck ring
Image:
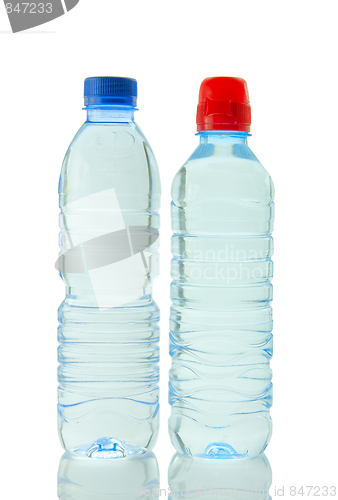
(223, 136)
(113, 114)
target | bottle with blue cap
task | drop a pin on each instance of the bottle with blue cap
(109, 193)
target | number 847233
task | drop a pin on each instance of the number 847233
(29, 8)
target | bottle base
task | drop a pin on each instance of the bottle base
(109, 447)
(222, 451)
(108, 434)
(238, 438)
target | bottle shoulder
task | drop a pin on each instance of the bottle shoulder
(116, 139)
(222, 172)
(110, 155)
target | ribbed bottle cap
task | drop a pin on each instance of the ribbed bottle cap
(110, 90)
(223, 104)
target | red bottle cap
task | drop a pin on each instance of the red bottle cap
(223, 104)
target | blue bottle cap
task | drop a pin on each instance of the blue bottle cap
(110, 91)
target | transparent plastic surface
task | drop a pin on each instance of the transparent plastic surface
(81, 478)
(108, 396)
(221, 318)
(202, 478)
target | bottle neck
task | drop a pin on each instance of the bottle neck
(110, 114)
(223, 136)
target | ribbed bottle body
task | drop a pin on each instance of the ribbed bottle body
(221, 317)
(108, 323)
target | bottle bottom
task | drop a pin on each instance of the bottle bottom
(238, 438)
(109, 447)
(103, 437)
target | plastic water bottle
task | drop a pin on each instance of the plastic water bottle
(108, 335)
(221, 317)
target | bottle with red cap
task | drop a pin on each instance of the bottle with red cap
(221, 316)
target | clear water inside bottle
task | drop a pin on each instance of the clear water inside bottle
(221, 316)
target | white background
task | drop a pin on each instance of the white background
(287, 52)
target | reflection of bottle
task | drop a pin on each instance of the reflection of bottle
(108, 334)
(82, 478)
(221, 317)
(203, 478)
